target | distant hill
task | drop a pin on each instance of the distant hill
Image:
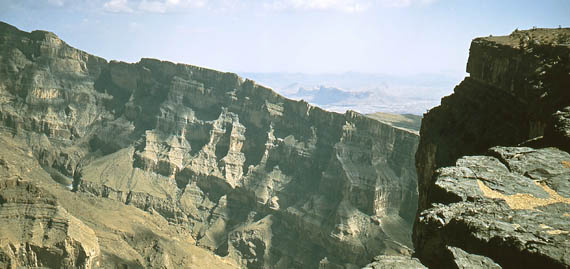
(406, 121)
(363, 92)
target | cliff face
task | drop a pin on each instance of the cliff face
(508, 206)
(45, 225)
(217, 161)
(40, 233)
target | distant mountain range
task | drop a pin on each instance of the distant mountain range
(362, 92)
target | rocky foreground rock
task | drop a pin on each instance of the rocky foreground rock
(493, 161)
(156, 164)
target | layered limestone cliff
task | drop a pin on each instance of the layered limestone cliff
(45, 225)
(507, 207)
(209, 158)
(37, 232)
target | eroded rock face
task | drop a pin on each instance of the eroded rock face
(246, 173)
(37, 232)
(516, 83)
(504, 206)
(511, 208)
(44, 224)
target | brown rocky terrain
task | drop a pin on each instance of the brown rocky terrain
(493, 160)
(45, 225)
(156, 164)
(409, 122)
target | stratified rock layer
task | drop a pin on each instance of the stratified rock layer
(37, 232)
(235, 167)
(44, 224)
(507, 207)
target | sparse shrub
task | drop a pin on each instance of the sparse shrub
(563, 38)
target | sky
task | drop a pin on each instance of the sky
(319, 36)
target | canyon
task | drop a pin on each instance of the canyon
(107, 164)
(172, 165)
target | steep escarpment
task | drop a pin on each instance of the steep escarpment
(217, 161)
(508, 205)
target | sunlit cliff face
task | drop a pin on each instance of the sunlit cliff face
(202, 158)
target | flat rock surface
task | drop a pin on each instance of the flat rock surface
(394, 262)
(464, 260)
(405, 121)
(511, 206)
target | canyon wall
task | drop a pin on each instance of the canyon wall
(165, 157)
(493, 164)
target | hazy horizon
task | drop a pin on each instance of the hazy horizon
(404, 54)
(395, 37)
(362, 92)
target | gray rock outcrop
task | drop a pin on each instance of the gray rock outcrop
(394, 262)
(493, 163)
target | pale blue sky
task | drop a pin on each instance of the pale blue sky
(319, 36)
